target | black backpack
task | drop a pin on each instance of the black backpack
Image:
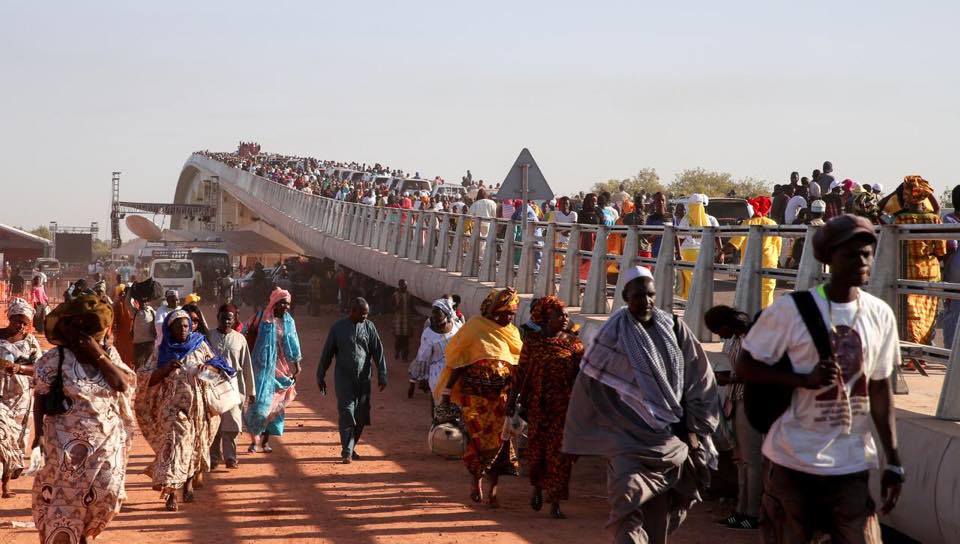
(765, 403)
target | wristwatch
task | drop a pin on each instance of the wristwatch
(896, 469)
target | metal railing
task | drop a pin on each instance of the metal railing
(552, 259)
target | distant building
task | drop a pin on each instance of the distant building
(18, 245)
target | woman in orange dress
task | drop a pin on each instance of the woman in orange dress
(478, 374)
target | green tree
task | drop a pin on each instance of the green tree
(43, 232)
(946, 199)
(646, 180)
(699, 180)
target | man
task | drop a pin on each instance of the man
(401, 322)
(794, 205)
(620, 197)
(170, 303)
(834, 201)
(951, 273)
(658, 217)
(826, 178)
(232, 346)
(779, 210)
(645, 399)
(144, 328)
(821, 449)
(812, 216)
(356, 345)
(484, 208)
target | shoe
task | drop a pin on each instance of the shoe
(232, 464)
(214, 465)
(731, 519)
(346, 460)
(745, 522)
(355, 456)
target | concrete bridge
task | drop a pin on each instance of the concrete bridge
(441, 253)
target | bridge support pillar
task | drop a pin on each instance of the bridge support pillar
(505, 275)
(809, 270)
(426, 254)
(527, 260)
(471, 264)
(883, 279)
(440, 255)
(701, 292)
(595, 293)
(488, 268)
(747, 296)
(627, 261)
(664, 275)
(570, 276)
(455, 259)
(544, 284)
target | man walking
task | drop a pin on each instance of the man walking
(645, 399)
(232, 346)
(356, 345)
(821, 449)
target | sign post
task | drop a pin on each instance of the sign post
(525, 181)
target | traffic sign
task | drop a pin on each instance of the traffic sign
(537, 186)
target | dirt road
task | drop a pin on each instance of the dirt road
(398, 493)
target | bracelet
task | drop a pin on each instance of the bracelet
(445, 391)
(896, 469)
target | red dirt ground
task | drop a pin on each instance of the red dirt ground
(399, 492)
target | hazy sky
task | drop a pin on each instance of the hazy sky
(594, 89)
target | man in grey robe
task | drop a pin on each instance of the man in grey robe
(232, 346)
(355, 343)
(645, 399)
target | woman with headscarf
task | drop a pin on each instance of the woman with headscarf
(772, 245)
(171, 407)
(478, 372)
(426, 367)
(198, 323)
(589, 214)
(123, 315)
(81, 486)
(922, 261)
(19, 350)
(549, 362)
(276, 365)
(696, 216)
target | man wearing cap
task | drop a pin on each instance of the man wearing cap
(645, 399)
(170, 303)
(821, 449)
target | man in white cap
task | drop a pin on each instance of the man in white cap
(171, 302)
(645, 399)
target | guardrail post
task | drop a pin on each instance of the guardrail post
(747, 297)
(372, 227)
(406, 226)
(426, 254)
(948, 407)
(394, 232)
(355, 234)
(413, 252)
(627, 261)
(544, 284)
(701, 291)
(385, 229)
(488, 268)
(810, 269)
(455, 260)
(527, 261)
(570, 276)
(883, 279)
(664, 275)
(505, 275)
(471, 264)
(595, 293)
(443, 241)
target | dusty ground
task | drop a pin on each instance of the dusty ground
(398, 493)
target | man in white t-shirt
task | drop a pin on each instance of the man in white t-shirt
(821, 449)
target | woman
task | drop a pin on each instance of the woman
(171, 408)
(276, 365)
(922, 262)
(429, 362)
(589, 214)
(197, 322)
(19, 350)
(123, 314)
(81, 486)
(696, 216)
(770, 247)
(38, 297)
(477, 375)
(549, 363)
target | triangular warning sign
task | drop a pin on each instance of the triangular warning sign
(537, 186)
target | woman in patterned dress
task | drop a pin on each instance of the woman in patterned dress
(171, 408)
(480, 363)
(19, 350)
(428, 364)
(81, 486)
(548, 367)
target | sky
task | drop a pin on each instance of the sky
(595, 90)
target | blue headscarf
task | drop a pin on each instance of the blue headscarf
(171, 350)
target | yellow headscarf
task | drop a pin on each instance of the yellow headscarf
(697, 214)
(500, 301)
(94, 305)
(192, 298)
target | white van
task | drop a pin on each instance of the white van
(173, 274)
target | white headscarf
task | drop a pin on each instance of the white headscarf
(18, 306)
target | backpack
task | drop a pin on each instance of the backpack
(765, 403)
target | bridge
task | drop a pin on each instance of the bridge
(441, 253)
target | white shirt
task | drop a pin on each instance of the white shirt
(811, 436)
(485, 208)
(144, 325)
(693, 242)
(794, 205)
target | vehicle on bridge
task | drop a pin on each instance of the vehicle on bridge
(411, 185)
(451, 191)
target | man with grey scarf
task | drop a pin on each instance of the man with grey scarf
(645, 399)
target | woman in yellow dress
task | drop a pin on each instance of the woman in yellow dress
(771, 246)
(480, 365)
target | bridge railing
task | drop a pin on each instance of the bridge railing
(572, 261)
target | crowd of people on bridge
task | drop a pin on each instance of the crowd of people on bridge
(640, 392)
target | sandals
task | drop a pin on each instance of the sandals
(556, 513)
(476, 492)
(267, 449)
(252, 448)
(187, 496)
(171, 503)
(536, 501)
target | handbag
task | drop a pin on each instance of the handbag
(219, 393)
(55, 401)
(765, 403)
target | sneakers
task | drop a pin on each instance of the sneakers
(740, 521)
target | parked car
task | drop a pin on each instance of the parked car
(49, 266)
(729, 211)
(449, 191)
(411, 185)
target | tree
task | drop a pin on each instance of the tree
(646, 180)
(698, 180)
(946, 199)
(101, 249)
(42, 232)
